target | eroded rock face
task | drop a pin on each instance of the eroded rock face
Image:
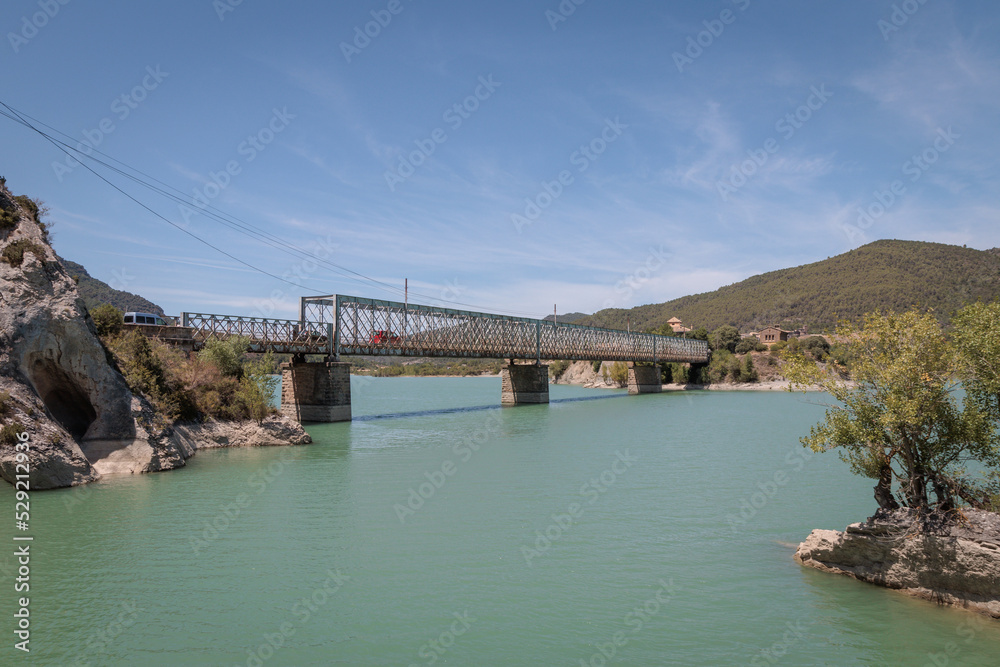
(957, 564)
(74, 405)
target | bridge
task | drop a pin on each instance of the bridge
(338, 325)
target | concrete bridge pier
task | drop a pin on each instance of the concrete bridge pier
(644, 379)
(316, 392)
(523, 384)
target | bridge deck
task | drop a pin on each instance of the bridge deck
(340, 324)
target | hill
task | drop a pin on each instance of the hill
(886, 275)
(95, 292)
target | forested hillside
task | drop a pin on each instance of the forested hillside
(886, 275)
(96, 292)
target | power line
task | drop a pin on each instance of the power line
(209, 211)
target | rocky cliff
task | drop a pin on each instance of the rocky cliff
(953, 563)
(57, 382)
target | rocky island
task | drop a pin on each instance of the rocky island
(61, 386)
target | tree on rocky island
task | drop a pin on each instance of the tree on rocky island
(902, 421)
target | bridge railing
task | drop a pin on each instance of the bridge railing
(264, 333)
(377, 327)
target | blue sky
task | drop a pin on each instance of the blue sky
(509, 155)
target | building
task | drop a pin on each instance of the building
(772, 335)
(677, 326)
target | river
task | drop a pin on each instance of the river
(438, 528)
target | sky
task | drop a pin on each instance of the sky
(509, 156)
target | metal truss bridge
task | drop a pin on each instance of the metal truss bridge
(336, 324)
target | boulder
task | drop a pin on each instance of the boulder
(953, 561)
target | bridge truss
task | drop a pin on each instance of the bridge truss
(337, 324)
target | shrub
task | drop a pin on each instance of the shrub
(8, 220)
(619, 373)
(748, 344)
(9, 433)
(557, 368)
(13, 254)
(256, 388)
(107, 319)
(227, 355)
(596, 365)
(725, 337)
(679, 373)
(749, 371)
(817, 347)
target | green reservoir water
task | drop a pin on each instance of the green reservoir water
(454, 532)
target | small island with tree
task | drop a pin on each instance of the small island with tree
(919, 416)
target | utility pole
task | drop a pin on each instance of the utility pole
(555, 317)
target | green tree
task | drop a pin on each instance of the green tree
(900, 421)
(107, 320)
(749, 371)
(257, 387)
(726, 337)
(619, 373)
(701, 333)
(977, 339)
(748, 344)
(226, 355)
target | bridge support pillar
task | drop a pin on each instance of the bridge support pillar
(644, 379)
(524, 384)
(316, 392)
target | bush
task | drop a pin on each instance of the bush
(723, 365)
(725, 337)
(748, 344)
(8, 220)
(749, 372)
(557, 368)
(596, 365)
(9, 433)
(107, 320)
(619, 373)
(666, 373)
(145, 374)
(679, 373)
(257, 387)
(817, 347)
(13, 254)
(226, 355)
(779, 347)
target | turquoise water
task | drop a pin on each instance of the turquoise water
(438, 528)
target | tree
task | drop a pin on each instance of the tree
(619, 373)
(726, 337)
(900, 422)
(107, 320)
(257, 386)
(749, 372)
(748, 344)
(226, 355)
(977, 341)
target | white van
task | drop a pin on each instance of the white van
(144, 318)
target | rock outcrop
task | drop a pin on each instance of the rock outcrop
(946, 562)
(57, 382)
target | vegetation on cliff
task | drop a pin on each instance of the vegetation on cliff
(922, 410)
(221, 382)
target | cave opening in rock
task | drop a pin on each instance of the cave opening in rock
(65, 400)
